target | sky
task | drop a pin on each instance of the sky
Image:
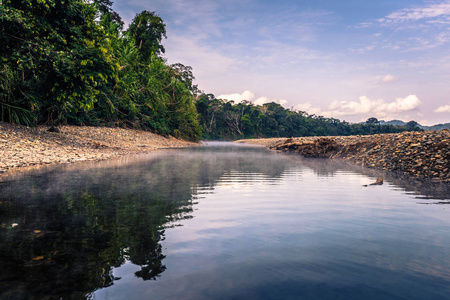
(344, 59)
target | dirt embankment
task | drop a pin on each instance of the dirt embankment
(420, 154)
(21, 146)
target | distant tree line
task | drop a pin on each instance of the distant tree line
(73, 62)
(222, 119)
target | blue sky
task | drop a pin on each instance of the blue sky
(347, 59)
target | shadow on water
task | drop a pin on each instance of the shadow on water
(63, 229)
(62, 233)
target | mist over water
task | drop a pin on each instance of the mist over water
(222, 221)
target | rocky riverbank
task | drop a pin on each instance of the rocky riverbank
(420, 154)
(21, 146)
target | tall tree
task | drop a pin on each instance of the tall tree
(372, 121)
(104, 6)
(148, 29)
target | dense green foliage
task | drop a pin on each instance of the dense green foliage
(148, 29)
(222, 119)
(59, 63)
(73, 62)
(54, 56)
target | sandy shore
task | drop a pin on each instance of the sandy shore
(25, 147)
(420, 154)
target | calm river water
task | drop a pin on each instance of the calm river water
(222, 221)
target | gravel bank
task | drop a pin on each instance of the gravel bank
(21, 146)
(420, 154)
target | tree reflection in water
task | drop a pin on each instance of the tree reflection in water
(73, 228)
(76, 223)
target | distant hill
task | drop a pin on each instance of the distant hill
(393, 122)
(437, 127)
(402, 123)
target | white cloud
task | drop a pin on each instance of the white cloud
(362, 50)
(283, 102)
(401, 104)
(443, 109)
(414, 14)
(378, 108)
(388, 78)
(249, 96)
(308, 108)
(348, 108)
(263, 100)
(426, 24)
(236, 97)
(365, 107)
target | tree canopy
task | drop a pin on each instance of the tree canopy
(60, 63)
(54, 56)
(148, 29)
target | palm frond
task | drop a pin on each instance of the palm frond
(15, 114)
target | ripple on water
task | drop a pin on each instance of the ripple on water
(223, 222)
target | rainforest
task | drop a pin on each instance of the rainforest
(73, 62)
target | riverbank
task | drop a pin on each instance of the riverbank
(22, 147)
(420, 154)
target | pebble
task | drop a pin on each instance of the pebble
(420, 154)
(22, 146)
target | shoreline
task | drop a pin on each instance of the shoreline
(23, 147)
(424, 155)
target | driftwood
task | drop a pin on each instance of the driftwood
(378, 182)
(320, 148)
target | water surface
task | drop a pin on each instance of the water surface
(222, 221)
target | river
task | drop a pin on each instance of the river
(222, 221)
